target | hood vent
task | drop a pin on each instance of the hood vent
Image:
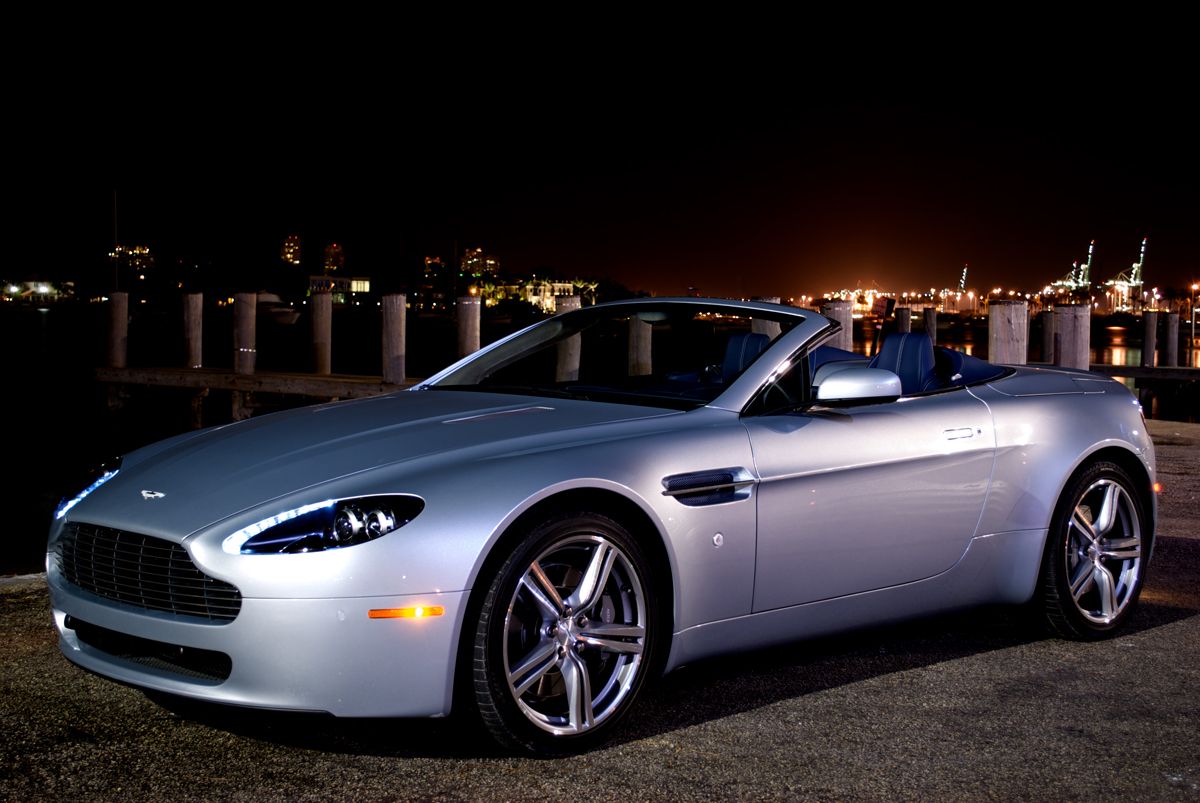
(498, 414)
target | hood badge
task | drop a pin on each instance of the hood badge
(153, 494)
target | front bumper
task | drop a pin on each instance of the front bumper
(297, 654)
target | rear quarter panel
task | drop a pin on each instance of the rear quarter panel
(1043, 438)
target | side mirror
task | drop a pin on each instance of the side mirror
(859, 384)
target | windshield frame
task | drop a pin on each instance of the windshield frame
(466, 374)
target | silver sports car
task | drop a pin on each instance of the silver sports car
(602, 497)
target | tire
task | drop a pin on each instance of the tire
(1095, 560)
(566, 636)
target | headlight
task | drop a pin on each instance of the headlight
(325, 525)
(103, 474)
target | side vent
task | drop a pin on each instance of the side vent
(710, 487)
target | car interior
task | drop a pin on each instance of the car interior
(921, 366)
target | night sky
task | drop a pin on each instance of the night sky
(738, 186)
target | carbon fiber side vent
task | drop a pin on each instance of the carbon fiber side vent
(709, 487)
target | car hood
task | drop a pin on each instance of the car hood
(197, 480)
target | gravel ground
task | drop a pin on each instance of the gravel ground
(966, 707)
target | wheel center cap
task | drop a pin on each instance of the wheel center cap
(567, 631)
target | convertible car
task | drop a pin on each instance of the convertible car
(600, 498)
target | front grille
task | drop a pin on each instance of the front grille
(190, 662)
(143, 571)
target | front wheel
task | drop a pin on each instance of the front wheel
(1095, 559)
(565, 635)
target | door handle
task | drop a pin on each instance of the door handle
(959, 433)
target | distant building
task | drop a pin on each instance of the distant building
(345, 289)
(476, 266)
(290, 252)
(436, 291)
(335, 258)
(544, 293)
(131, 266)
(36, 291)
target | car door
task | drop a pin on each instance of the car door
(865, 497)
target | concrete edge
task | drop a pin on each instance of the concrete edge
(12, 580)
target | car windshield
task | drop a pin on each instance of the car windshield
(676, 355)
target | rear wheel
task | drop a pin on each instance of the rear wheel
(565, 635)
(1094, 565)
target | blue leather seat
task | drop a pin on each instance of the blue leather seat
(909, 355)
(740, 351)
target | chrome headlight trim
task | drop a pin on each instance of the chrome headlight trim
(314, 527)
(106, 474)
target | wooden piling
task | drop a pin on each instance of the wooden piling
(193, 329)
(394, 355)
(322, 332)
(245, 349)
(468, 310)
(1008, 331)
(193, 343)
(640, 333)
(567, 367)
(1048, 352)
(842, 312)
(1170, 346)
(930, 316)
(903, 319)
(761, 325)
(118, 330)
(1150, 338)
(1072, 333)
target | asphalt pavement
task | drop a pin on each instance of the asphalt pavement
(974, 706)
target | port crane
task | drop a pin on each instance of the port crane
(1126, 287)
(1080, 277)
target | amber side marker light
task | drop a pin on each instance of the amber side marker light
(1158, 487)
(416, 612)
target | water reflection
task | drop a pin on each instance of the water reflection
(1114, 347)
(1116, 355)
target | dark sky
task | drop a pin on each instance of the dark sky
(740, 186)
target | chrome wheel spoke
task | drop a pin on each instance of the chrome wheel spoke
(608, 638)
(1108, 510)
(579, 692)
(1107, 589)
(601, 630)
(595, 578)
(1082, 581)
(543, 591)
(541, 660)
(1079, 520)
(1122, 548)
(608, 645)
